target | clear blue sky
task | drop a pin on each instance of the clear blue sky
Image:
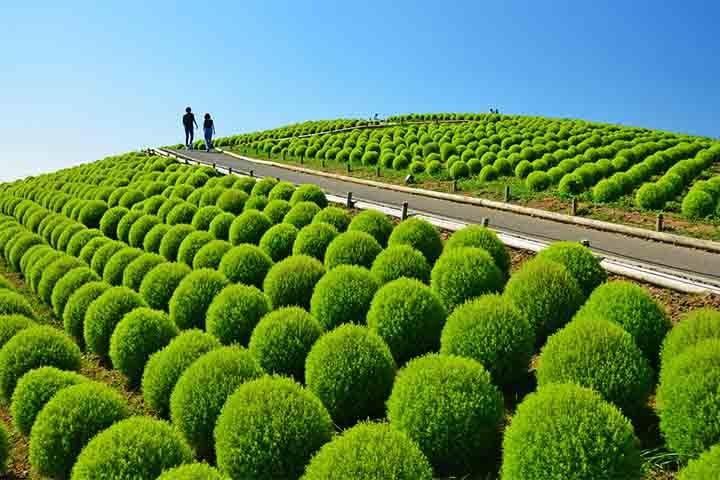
(83, 79)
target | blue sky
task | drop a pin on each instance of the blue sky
(83, 79)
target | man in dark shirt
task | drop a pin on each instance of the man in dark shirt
(188, 122)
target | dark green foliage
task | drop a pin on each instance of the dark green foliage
(301, 214)
(698, 204)
(270, 428)
(67, 423)
(19, 247)
(115, 268)
(482, 237)
(136, 271)
(263, 187)
(687, 399)
(11, 325)
(635, 310)
(69, 284)
(337, 217)
(193, 296)
(130, 198)
(314, 239)
(181, 214)
(204, 217)
(210, 195)
(291, 281)
(374, 223)
(579, 262)
(152, 205)
(232, 201)
(12, 303)
(343, 295)
(463, 273)
(235, 312)
(172, 240)
(369, 452)
(34, 391)
(103, 255)
(194, 471)
(282, 191)
(77, 305)
(249, 227)
(555, 434)
(160, 283)
(420, 235)
(459, 170)
(278, 241)
(138, 448)
(606, 190)
(110, 220)
(166, 207)
(220, 226)
(282, 340)
(31, 348)
(598, 354)
(164, 367)
(36, 268)
(255, 203)
(80, 240)
(538, 181)
(140, 229)
(153, 239)
(309, 193)
(211, 254)
(201, 392)
(449, 406)
(246, 184)
(546, 294)
(92, 212)
(570, 185)
(693, 328)
(52, 275)
(191, 245)
(705, 467)
(276, 210)
(352, 248)
(408, 316)
(64, 238)
(246, 264)
(103, 315)
(400, 261)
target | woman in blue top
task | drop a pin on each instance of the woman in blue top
(209, 130)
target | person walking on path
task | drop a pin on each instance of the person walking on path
(209, 131)
(188, 122)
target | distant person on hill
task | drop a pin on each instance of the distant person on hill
(188, 122)
(209, 131)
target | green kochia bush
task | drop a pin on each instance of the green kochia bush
(246, 264)
(191, 245)
(687, 399)
(598, 354)
(249, 227)
(211, 254)
(291, 282)
(278, 241)
(482, 237)
(139, 447)
(352, 248)
(400, 261)
(368, 452)
(77, 305)
(704, 467)
(140, 230)
(554, 434)
(337, 217)
(80, 240)
(201, 392)
(313, 240)
(220, 226)
(32, 348)
(193, 296)
(235, 312)
(171, 241)
(165, 367)
(181, 214)
(301, 214)
(67, 423)
(104, 314)
(449, 406)
(420, 235)
(282, 340)
(69, 284)
(698, 204)
(194, 471)
(270, 428)
(204, 217)
(135, 272)
(351, 370)
(580, 263)
(34, 390)
(634, 309)
(10, 325)
(343, 295)
(263, 187)
(255, 203)
(546, 294)
(309, 193)
(103, 255)
(153, 239)
(464, 273)
(139, 334)
(115, 267)
(232, 201)
(160, 283)
(110, 220)
(282, 191)
(126, 224)
(492, 331)
(276, 210)
(52, 275)
(373, 222)
(693, 328)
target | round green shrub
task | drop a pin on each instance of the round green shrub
(31, 348)
(211, 254)
(232, 201)
(13, 303)
(488, 173)
(181, 214)
(571, 184)
(135, 272)
(126, 224)
(110, 220)
(650, 197)
(201, 392)
(164, 368)
(419, 234)
(160, 283)
(335, 216)
(706, 466)
(256, 203)
(309, 193)
(171, 241)
(92, 212)
(408, 316)
(314, 239)
(374, 223)
(235, 312)
(77, 305)
(301, 214)
(263, 187)
(598, 354)
(19, 247)
(64, 239)
(130, 198)
(546, 294)
(34, 390)
(246, 184)
(153, 239)
(282, 191)
(635, 310)
(152, 205)
(67, 423)
(579, 262)
(189, 304)
(352, 248)
(606, 190)
(68, 284)
(278, 241)
(693, 328)
(140, 229)
(282, 340)
(246, 264)
(139, 447)
(52, 275)
(270, 428)
(103, 315)
(482, 237)
(343, 295)
(103, 255)
(463, 273)
(210, 195)
(276, 210)
(220, 226)
(687, 399)
(11, 325)
(555, 432)
(194, 471)
(191, 245)
(80, 240)
(166, 207)
(698, 204)
(291, 282)
(449, 406)
(400, 261)
(204, 217)
(115, 267)
(249, 227)
(538, 181)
